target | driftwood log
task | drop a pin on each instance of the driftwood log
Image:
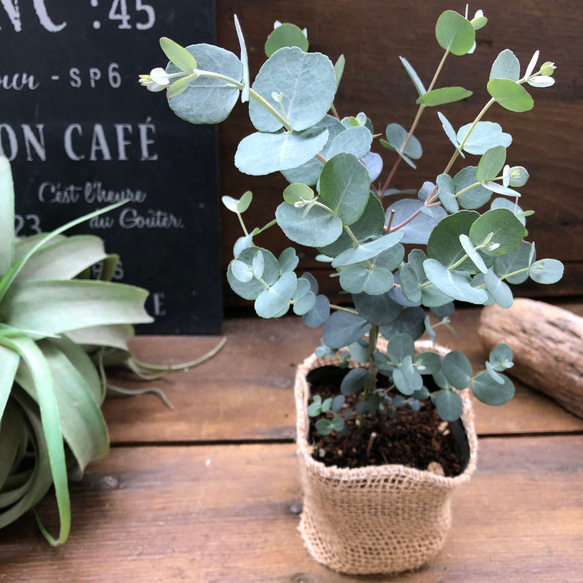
(547, 342)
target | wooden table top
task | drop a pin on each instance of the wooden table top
(204, 492)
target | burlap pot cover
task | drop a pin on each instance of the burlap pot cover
(377, 519)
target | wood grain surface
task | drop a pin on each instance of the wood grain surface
(246, 392)
(223, 515)
(372, 35)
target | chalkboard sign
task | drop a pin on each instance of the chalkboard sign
(81, 133)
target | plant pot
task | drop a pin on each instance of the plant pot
(376, 519)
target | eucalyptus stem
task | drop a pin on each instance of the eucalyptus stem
(343, 309)
(373, 337)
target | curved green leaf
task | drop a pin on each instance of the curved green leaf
(208, 100)
(455, 33)
(345, 185)
(6, 216)
(286, 35)
(54, 307)
(307, 83)
(64, 259)
(443, 95)
(506, 66)
(260, 153)
(449, 405)
(318, 228)
(454, 284)
(510, 95)
(490, 392)
(503, 228)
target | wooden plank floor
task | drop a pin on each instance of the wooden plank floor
(204, 492)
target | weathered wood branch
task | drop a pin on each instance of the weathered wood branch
(547, 342)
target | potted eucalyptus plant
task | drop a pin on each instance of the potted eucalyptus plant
(364, 510)
(59, 330)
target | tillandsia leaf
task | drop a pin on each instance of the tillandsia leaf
(307, 83)
(345, 185)
(415, 231)
(286, 35)
(54, 307)
(208, 100)
(396, 138)
(116, 336)
(244, 62)
(506, 66)
(263, 153)
(491, 164)
(9, 361)
(6, 216)
(546, 271)
(510, 95)
(319, 228)
(443, 95)
(43, 382)
(24, 429)
(354, 381)
(491, 392)
(64, 259)
(413, 76)
(40, 241)
(502, 229)
(342, 329)
(449, 405)
(457, 369)
(485, 135)
(82, 424)
(454, 33)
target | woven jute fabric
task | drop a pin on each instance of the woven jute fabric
(376, 519)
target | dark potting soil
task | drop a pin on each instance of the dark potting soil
(415, 439)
